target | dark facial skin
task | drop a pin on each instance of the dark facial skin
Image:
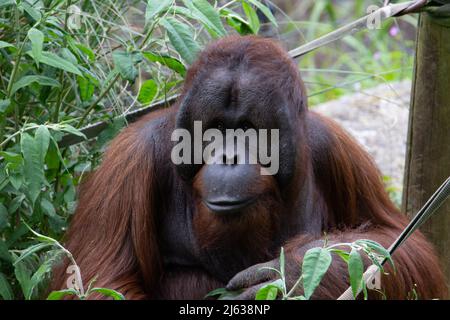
(230, 98)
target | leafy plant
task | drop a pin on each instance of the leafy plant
(315, 265)
(65, 64)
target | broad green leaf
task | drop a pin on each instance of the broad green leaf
(167, 61)
(5, 288)
(148, 91)
(23, 276)
(27, 80)
(252, 17)
(315, 264)
(53, 60)
(86, 88)
(34, 151)
(59, 295)
(37, 42)
(355, 271)
(48, 207)
(32, 8)
(155, 8)
(267, 292)
(42, 138)
(181, 37)
(207, 15)
(109, 293)
(4, 44)
(69, 129)
(265, 10)
(125, 63)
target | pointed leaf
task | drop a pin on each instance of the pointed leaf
(37, 42)
(207, 15)
(58, 295)
(148, 91)
(27, 80)
(109, 293)
(56, 61)
(155, 8)
(180, 35)
(167, 61)
(355, 271)
(4, 44)
(315, 264)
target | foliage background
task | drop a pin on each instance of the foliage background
(65, 64)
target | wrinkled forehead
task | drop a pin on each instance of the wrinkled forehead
(239, 86)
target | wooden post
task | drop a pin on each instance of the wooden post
(428, 147)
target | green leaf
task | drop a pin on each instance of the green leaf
(216, 292)
(355, 271)
(41, 272)
(223, 294)
(109, 293)
(267, 292)
(207, 15)
(37, 42)
(30, 250)
(87, 51)
(86, 88)
(42, 138)
(252, 17)
(155, 8)
(48, 207)
(378, 248)
(53, 60)
(125, 63)
(23, 276)
(27, 80)
(148, 91)
(59, 295)
(34, 151)
(5, 288)
(69, 129)
(236, 21)
(4, 44)
(341, 253)
(167, 61)
(32, 8)
(181, 37)
(315, 264)
(265, 10)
